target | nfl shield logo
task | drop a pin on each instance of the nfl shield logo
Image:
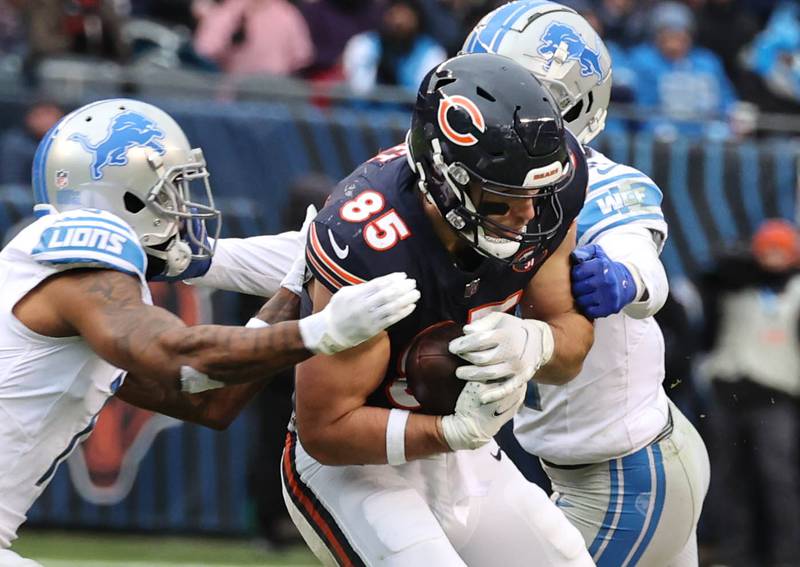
(471, 288)
(62, 178)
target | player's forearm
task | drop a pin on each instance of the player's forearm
(573, 336)
(636, 248)
(284, 306)
(232, 354)
(106, 309)
(229, 354)
(359, 437)
(215, 408)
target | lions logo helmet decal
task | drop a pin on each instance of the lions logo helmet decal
(457, 126)
(577, 50)
(128, 130)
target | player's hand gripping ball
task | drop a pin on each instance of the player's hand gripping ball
(431, 369)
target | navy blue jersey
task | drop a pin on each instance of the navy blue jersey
(374, 224)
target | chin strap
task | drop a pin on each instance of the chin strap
(455, 176)
(176, 257)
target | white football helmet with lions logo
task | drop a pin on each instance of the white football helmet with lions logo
(131, 159)
(558, 46)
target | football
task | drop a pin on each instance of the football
(431, 369)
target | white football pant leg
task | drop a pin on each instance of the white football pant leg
(362, 515)
(515, 523)
(463, 508)
(641, 509)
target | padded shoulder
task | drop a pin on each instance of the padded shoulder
(348, 245)
(89, 238)
(618, 195)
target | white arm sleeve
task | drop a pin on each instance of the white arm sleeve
(254, 265)
(635, 246)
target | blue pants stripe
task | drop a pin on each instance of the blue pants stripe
(612, 514)
(658, 505)
(636, 502)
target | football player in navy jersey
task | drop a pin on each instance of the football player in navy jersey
(478, 207)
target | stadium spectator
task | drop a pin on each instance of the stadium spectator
(775, 53)
(678, 79)
(18, 145)
(752, 311)
(11, 36)
(398, 53)
(73, 27)
(761, 8)
(624, 21)
(250, 37)
(168, 12)
(332, 23)
(725, 27)
(449, 21)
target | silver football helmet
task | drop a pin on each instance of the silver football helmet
(133, 160)
(564, 52)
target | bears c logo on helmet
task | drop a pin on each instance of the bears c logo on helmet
(455, 125)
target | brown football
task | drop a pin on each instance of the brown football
(431, 369)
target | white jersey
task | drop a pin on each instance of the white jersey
(616, 405)
(51, 389)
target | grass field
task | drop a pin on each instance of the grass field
(77, 549)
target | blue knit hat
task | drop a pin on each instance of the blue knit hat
(672, 16)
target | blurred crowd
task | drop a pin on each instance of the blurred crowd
(732, 354)
(722, 60)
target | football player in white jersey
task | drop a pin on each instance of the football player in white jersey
(627, 468)
(114, 184)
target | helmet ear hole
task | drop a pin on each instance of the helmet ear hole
(442, 82)
(133, 204)
(574, 112)
(591, 102)
(485, 94)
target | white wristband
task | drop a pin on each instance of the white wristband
(256, 323)
(396, 437)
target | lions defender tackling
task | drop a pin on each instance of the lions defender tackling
(113, 182)
(627, 467)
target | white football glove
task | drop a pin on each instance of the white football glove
(296, 276)
(501, 346)
(359, 312)
(474, 423)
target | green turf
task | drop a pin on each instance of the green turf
(68, 549)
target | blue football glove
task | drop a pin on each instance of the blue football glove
(600, 286)
(196, 268)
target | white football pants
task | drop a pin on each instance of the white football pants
(465, 508)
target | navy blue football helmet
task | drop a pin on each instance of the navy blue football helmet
(482, 119)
